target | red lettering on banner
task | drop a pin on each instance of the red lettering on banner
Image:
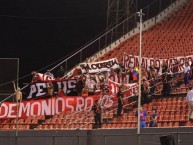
(136, 62)
(125, 60)
(49, 106)
(146, 64)
(131, 61)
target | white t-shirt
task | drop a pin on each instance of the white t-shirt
(91, 85)
(190, 96)
(186, 69)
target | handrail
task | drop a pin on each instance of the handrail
(99, 38)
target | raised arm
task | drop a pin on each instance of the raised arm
(14, 86)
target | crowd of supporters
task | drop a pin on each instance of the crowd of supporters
(90, 84)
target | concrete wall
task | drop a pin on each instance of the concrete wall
(182, 136)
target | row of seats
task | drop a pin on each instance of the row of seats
(90, 126)
(71, 126)
(28, 120)
(13, 127)
(171, 38)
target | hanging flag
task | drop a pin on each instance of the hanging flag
(135, 73)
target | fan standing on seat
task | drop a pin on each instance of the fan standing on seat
(142, 115)
(120, 102)
(186, 74)
(18, 93)
(153, 119)
(97, 114)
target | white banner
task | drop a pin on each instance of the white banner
(95, 67)
(133, 61)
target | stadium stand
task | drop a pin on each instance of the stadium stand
(168, 39)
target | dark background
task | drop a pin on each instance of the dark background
(39, 32)
(47, 30)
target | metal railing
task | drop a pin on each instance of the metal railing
(106, 39)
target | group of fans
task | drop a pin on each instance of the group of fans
(90, 84)
(98, 83)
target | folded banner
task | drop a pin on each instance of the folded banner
(39, 89)
(133, 61)
(96, 67)
(53, 106)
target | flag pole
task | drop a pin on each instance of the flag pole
(140, 14)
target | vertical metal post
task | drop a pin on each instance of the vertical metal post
(140, 14)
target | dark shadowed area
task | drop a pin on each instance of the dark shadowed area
(39, 32)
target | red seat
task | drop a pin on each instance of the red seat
(176, 124)
(6, 127)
